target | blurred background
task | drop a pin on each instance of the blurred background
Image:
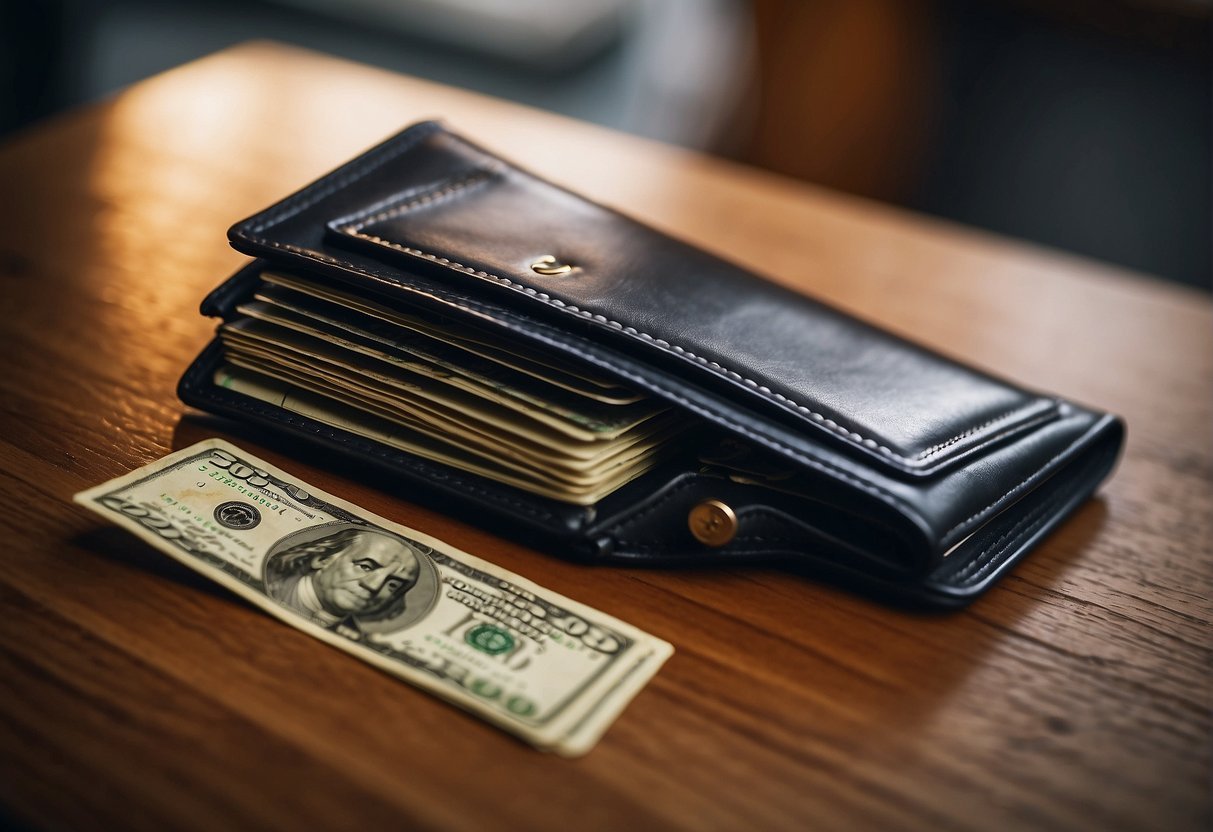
(1079, 124)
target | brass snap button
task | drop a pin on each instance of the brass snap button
(713, 523)
(549, 265)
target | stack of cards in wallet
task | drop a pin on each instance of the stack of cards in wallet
(443, 390)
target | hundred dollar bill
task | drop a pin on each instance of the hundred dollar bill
(551, 670)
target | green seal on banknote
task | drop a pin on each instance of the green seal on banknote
(489, 639)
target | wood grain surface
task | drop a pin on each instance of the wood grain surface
(1075, 695)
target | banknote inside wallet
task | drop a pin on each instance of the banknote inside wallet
(442, 389)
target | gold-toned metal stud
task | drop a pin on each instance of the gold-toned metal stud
(713, 523)
(549, 265)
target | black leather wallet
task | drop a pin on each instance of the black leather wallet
(818, 438)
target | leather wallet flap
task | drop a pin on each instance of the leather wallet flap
(429, 201)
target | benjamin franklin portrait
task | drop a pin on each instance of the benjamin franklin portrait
(351, 575)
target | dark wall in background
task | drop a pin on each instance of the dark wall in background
(1075, 124)
(1089, 133)
(1081, 125)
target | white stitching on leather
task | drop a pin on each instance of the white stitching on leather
(1039, 472)
(970, 573)
(440, 193)
(355, 229)
(994, 553)
(942, 446)
(292, 207)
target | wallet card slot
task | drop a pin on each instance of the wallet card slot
(820, 370)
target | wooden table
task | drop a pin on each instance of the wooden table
(134, 695)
